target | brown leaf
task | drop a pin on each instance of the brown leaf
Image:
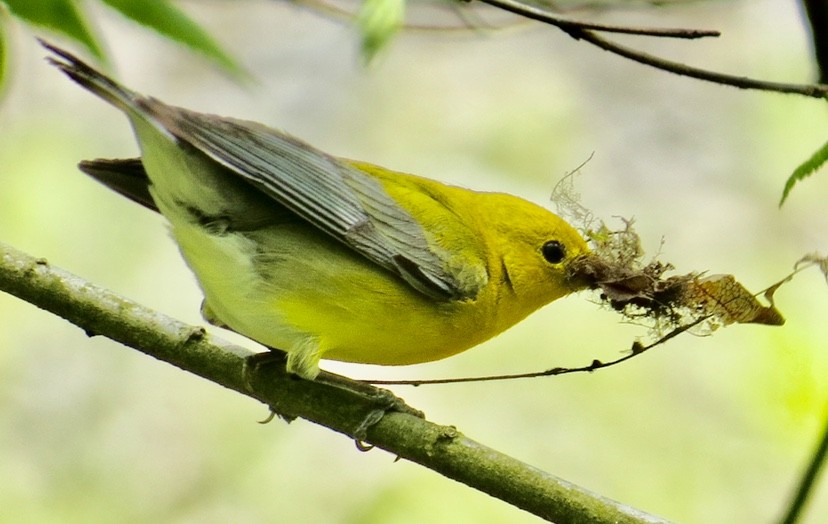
(724, 298)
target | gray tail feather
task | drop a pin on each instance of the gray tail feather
(124, 176)
(128, 176)
(90, 78)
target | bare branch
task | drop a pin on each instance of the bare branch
(635, 350)
(809, 478)
(817, 12)
(586, 31)
(548, 17)
(814, 91)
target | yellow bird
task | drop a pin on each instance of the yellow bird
(327, 258)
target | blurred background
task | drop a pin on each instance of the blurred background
(701, 430)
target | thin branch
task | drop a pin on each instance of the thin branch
(817, 12)
(635, 350)
(548, 17)
(586, 31)
(742, 82)
(809, 478)
(348, 407)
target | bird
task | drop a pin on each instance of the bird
(323, 257)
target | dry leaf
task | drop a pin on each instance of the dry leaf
(644, 294)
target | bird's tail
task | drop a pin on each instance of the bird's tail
(91, 79)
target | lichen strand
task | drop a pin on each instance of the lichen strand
(644, 294)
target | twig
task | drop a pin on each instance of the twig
(814, 91)
(817, 11)
(635, 350)
(548, 17)
(403, 434)
(809, 477)
(586, 31)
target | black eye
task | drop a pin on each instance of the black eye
(554, 252)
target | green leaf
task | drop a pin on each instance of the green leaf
(61, 16)
(378, 22)
(168, 20)
(804, 170)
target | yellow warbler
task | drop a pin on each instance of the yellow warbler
(323, 257)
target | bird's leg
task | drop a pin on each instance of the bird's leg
(383, 399)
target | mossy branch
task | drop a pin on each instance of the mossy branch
(361, 413)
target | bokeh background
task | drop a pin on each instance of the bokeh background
(701, 430)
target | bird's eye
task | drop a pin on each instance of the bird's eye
(554, 252)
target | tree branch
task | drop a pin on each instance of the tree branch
(587, 32)
(742, 82)
(548, 17)
(354, 410)
(817, 12)
(809, 479)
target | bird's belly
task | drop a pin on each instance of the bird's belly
(233, 290)
(287, 286)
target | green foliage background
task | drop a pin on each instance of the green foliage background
(701, 430)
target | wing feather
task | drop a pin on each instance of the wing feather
(336, 197)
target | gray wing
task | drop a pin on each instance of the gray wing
(338, 198)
